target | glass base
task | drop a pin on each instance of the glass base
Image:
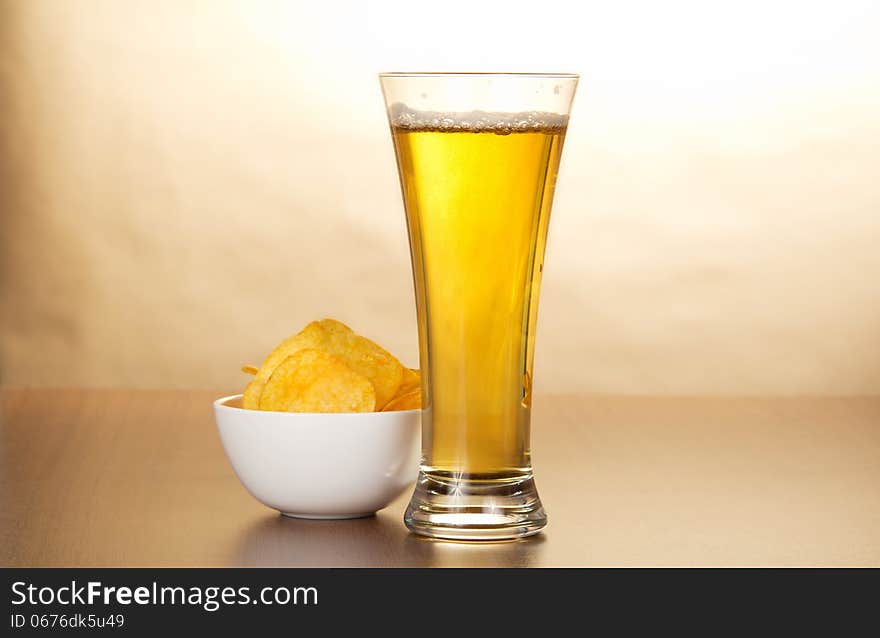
(471, 509)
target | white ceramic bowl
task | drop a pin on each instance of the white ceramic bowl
(320, 465)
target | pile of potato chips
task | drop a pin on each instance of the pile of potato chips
(327, 367)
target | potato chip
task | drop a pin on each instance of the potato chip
(410, 401)
(311, 380)
(388, 377)
(312, 336)
(250, 400)
(412, 379)
(412, 383)
(250, 369)
(365, 357)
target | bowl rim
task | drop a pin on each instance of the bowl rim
(220, 404)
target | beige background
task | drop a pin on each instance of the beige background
(182, 184)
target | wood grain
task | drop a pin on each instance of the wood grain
(124, 477)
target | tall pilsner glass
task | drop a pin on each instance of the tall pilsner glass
(478, 156)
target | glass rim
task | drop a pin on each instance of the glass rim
(472, 74)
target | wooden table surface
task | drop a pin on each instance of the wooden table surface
(139, 478)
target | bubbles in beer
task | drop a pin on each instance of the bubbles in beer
(403, 117)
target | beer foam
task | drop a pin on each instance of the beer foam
(403, 117)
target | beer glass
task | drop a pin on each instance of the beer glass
(477, 155)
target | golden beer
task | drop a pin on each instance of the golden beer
(478, 155)
(478, 206)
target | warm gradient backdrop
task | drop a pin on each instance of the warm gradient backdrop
(182, 184)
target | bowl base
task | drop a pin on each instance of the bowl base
(326, 517)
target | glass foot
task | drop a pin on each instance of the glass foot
(472, 509)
